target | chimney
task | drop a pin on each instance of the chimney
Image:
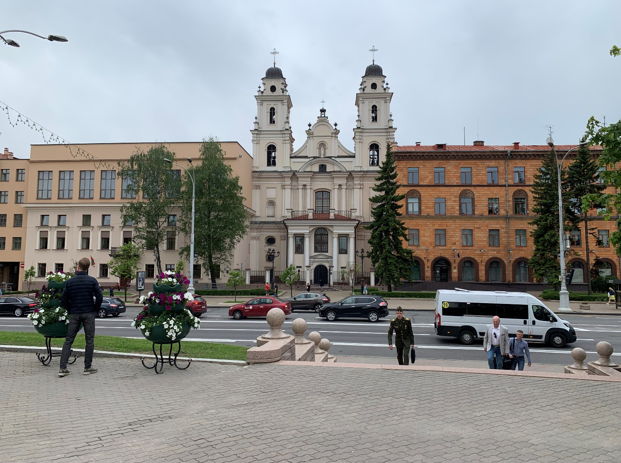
(441, 146)
(479, 143)
(7, 154)
(417, 143)
(516, 145)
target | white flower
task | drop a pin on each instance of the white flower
(43, 322)
(57, 309)
(134, 323)
(146, 333)
(142, 327)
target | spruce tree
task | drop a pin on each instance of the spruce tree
(391, 260)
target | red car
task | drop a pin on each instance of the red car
(197, 306)
(258, 307)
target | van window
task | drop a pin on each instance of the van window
(519, 311)
(481, 309)
(542, 314)
(455, 309)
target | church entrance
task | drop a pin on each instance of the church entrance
(320, 276)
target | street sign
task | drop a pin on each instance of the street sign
(140, 281)
(21, 265)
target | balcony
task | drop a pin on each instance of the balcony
(310, 214)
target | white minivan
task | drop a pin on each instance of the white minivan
(465, 314)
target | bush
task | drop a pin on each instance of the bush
(230, 292)
(551, 294)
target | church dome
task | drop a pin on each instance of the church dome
(274, 73)
(374, 70)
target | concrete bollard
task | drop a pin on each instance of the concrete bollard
(325, 344)
(584, 306)
(579, 356)
(299, 326)
(604, 350)
(315, 337)
(275, 318)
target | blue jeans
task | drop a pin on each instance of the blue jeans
(494, 351)
(518, 362)
(75, 323)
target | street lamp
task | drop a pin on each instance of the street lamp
(362, 256)
(563, 294)
(13, 43)
(191, 286)
(271, 256)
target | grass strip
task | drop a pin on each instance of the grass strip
(192, 349)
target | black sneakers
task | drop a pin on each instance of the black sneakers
(63, 372)
(90, 371)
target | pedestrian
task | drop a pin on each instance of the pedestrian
(611, 295)
(275, 290)
(361, 288)
(308, 287)
(267, 289)
(496, 343)
(404, 337)
(0, 291)
(364, 289)
(517, 349)
(82, 298)
(111, 292)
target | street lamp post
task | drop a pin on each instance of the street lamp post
(272, 254)
(13, 43)
(563, 294)
(191, 286)
(362, 256)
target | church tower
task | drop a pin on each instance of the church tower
(374, 125)
(272, 139)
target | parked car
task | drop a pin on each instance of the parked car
(370, 307)
(111, 306)
(17, 306)
(258, 307)
(198, 306)
(308, 301)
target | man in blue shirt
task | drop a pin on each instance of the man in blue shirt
(517, 349)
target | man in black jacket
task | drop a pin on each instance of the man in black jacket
(82, 298)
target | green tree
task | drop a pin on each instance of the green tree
(235, 279)
(148, 177)
(220, 219)
(582, 179)
(29, 276)
(289, 277)
(124, 263)
(615, 51)
(350, 274)
(391, 260)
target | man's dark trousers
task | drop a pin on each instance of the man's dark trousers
(403, 352)
(75, 323)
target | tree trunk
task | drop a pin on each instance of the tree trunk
(212, 272)
(125, 293)
(588, 255)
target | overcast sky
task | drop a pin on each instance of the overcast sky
(167, 71)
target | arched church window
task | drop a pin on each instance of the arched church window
(321, 240)
(374, 154)
(271, 155)
(374, 113)
(373, 86)
(270, 210)
(322, 202)
(272, 115)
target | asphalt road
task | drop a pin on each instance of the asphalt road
(362, 338)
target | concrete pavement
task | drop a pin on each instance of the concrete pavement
(300, 413)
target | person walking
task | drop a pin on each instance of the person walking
(111, 292)
(404, 337)
(364, 289)
(496, 343)
(517, 349)
(82, 298)
(308, 287)
(267, 289)
(611, 295)
(275, 290)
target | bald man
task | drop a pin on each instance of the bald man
(496, 343)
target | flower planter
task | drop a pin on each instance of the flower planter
(53, 303)
(166, 289)
(56, 285)
(54, 330)
(156, 309)
(178, 308)
(158, 334)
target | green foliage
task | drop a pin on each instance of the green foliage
(350, 274)
(220, 219)
(124, 264)
(180, 267)
(149, 178)
(551, 294)
(391, 260)
(615, 51)
(289, 277)
(235, 279)
(29, 276)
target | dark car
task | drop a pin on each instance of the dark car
(258, 307)
(111, 306)
(308, 301)
(197, 306)
(370, 307)
(17, 306)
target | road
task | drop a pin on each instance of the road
(360, 338)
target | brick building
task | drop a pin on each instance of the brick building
(467, 210)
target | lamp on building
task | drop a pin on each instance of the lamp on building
(13, 43)
(271, 256)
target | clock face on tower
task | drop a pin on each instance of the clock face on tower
(273, 89)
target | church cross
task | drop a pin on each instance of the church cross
(274, 53)
(373, 50)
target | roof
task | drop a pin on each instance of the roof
(475, 148)
(374, 70)
(273, 73)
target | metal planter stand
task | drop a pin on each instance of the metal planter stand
(47, 359)
(158, 365)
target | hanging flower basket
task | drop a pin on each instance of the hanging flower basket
(159, 336)
(57, 329)
(164, 288)
(166, 327)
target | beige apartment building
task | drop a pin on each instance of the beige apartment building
(72, 207)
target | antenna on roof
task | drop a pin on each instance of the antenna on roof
(478, 138)
(464, 136)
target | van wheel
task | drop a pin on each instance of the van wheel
(466, 337)
(557, 340)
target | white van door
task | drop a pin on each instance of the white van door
(540, 322)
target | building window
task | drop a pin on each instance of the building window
(440, 237)
(321, 240)
(494, 238)
(149, 270)
(602, 238)
(466, 237)
(4, 197)
(605, 270)
(270, 209)
(105, 240)
(2, 220)
(105, 220)
(17, 243)
(599, 172)
(62, 220)
(342, 245)
(413, 237)
(127, 236)
(492, 175)
(521, 272)
(495, 272)
(575, 238)
(198, 271)
(413, 202)
(374, 154)
(493, 206)
(43, 240)
(45, 220)
(170, 267)
(466, 175)
(2, 243)
(21, 175)
(86, 220)
(19, 197)
(323, 168)
(86, 240)
(108, 180)
(59, 268)
(41, 270)
(322, 202)
(174, 189)
(519, 202)
(520, 238)
(438, 175)
(519, 175)
(440, 206)
(60, 240)
(127, 189)
(270, 241)
(65, 184)
(172, 220)
(299, 244)
(171, 240)
(18, 219)
(87, 184)
(5, 175)
(413, 175)
(466, 202)
(374, 113)
(103, 270)
(271, 156)
(44, 187)
(272, 115)
(415, 274)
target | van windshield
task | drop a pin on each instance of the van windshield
(542, 313)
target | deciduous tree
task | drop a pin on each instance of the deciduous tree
(124, 263)
(289, 277)
(235, 279)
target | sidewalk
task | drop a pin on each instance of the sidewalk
(284, 413)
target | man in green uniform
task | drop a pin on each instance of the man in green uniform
(404, 336)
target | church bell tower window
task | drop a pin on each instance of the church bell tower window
(374, 154)
(271, 155)
(374, 113)
(272, 115)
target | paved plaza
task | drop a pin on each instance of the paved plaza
(291, 413)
